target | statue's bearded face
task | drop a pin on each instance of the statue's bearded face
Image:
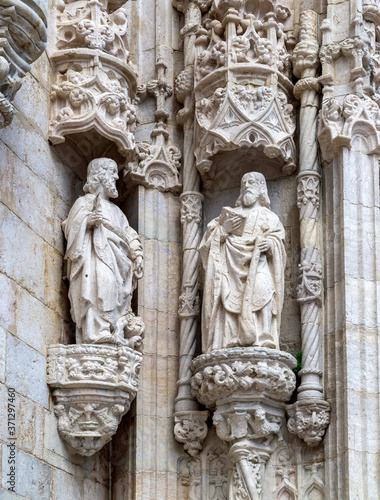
(250, 190)
(108, 179)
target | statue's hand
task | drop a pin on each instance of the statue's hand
(264, 245)
(95, 218)
(232, 224)
(138, 267)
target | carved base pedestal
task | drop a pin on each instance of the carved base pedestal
(247, 388)
(93, 387)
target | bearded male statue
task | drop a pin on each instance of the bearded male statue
(244, 258)
(104, 261)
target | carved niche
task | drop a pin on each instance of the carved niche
(243, 91)
(95, 381)
(23, 38)
(94, 82)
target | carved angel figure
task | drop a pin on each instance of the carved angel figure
(244, 258)
(104, 259)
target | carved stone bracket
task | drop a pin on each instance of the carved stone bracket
(309, 420)
(247, 388)
(93, 387)
(190, 428)
(93, 81)
(23, 38)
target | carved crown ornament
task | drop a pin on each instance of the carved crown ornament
(94, 83)
(23, 38)
(243, 92)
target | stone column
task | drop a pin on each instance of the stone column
(190, 423)
(309, 417)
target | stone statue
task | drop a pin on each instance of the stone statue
(244, 258)
(104, 261)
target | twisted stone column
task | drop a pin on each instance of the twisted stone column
(309, 417)
(190, 423)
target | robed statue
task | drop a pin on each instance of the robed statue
(244, 258)
(104, 261)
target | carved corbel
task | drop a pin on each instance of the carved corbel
(309, 420)
(23, 38)
(190, 428)
(247, 389)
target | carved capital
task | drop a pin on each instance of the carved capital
(253, 370)
(23, 38)
(190, 428)
(309, 419)
(184, 85)
(93, 387)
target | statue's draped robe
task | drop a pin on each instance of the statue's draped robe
(99, 268)
(244, 288)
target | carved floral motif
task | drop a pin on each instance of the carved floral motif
(244, 370)
(231, 111)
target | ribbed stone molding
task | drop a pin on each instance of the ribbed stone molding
(247, 388)
(23, 38)
(94, 83)
(93, 387)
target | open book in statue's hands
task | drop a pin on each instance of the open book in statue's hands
(235, 222)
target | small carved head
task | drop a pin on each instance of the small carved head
(102, 171)
(253, 187)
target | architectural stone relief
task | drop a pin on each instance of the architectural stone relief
(243, 93)
(93, 81)
(95, 381)
(23, 38)
(158, 163)
(244, 258)
(206, 476)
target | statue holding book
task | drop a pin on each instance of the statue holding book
(244, 258)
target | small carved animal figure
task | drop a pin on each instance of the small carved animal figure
(263, 428)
